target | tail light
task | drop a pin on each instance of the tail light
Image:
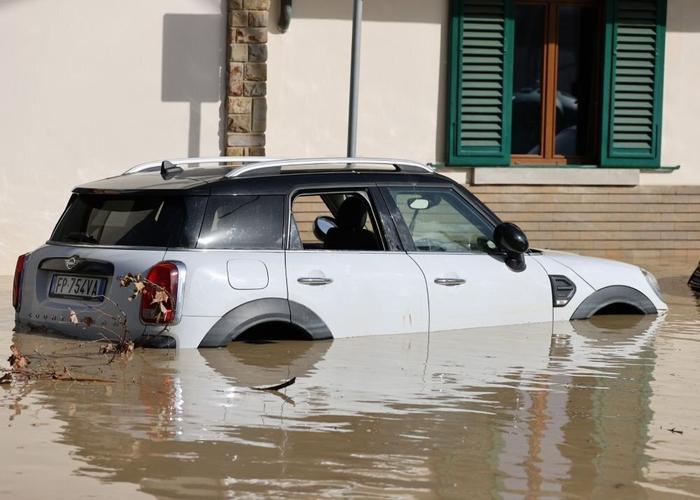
(165, 275)
(17, 282)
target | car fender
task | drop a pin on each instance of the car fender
(257, 312)
(617, 294)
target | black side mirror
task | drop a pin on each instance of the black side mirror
(510, 239)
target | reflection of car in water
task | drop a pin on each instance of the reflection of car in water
(527, 116)
(191, 423)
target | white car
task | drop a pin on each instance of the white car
(251, 248)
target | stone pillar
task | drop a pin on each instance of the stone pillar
(246, 103)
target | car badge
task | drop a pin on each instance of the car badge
(71, 262)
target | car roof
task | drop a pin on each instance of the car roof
(218, 180)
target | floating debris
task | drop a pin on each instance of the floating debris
(276, 387)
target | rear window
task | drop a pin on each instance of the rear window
(152, 221)
(243, 222)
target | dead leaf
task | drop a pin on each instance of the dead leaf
(17, 360)
(73, 317)
(6, 379)
(160, 296)
(88, 321)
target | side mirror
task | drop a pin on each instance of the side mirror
(510, 239)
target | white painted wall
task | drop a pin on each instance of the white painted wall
(403, 82)
(81, 98)
(403, 72)
(681, 129)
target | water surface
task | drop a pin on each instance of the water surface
(577, 410)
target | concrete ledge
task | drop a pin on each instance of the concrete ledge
(560, 176)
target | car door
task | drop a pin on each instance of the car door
(351, 278)
(469, 285)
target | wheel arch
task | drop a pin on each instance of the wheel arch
(608, 297)
(257, 313)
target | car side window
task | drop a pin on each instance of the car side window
(243, 223)
(439, 220)
(334, 221)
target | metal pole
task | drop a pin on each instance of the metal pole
(354, 76)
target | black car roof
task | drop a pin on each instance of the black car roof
(212, 181)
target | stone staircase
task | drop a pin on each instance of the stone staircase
(616, 222)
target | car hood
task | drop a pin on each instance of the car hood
(601, 273)
(595, 271)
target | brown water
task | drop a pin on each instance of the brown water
(580, 410)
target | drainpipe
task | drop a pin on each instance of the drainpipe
(354, 76)
(285, 15)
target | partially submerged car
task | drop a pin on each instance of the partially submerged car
(251, 248)
(694, 281)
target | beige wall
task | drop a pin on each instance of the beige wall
(402, 76)
(681, 95)
(82, 96)
(403, 79)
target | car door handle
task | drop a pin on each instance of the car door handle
(450, 281)
(315, 281)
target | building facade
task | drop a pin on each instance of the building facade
(572, 118)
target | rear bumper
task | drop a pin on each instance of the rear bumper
(188, 333)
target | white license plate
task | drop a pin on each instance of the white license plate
(80, 287)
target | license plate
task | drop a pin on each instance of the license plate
(77, 287)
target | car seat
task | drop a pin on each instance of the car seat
(350, 233)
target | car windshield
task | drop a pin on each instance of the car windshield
(110, 220)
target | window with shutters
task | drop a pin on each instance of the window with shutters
(556, 82)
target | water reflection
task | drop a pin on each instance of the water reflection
(524, 410)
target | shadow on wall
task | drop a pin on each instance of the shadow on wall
(194, 49)
(405, 11)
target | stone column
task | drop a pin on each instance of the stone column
(246, 103)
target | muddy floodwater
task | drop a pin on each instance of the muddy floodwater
(606, 409)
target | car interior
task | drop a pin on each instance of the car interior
(333, 221)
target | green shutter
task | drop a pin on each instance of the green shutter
(480, 82)
(633, 83)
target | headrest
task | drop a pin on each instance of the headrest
(352, 213)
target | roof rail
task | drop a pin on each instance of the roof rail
(400, 165)
(155, 165)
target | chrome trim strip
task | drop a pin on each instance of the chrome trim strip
(237, 172)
